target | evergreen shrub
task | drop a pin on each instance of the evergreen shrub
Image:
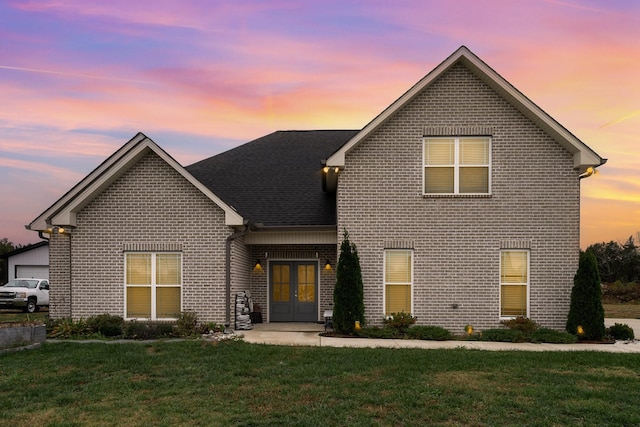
(620, 331)
(425, 332)
(348, 294)
(586, 314)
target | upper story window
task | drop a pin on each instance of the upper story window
(457, 165)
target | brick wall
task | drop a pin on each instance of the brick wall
(456, 240)
(149, 208)
(60, 276)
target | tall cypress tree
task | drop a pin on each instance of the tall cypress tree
(586, 314)
(348, 294)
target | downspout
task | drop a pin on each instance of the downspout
(228, 241)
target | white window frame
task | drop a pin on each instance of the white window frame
(527, 284)
(153, 284)
(456, 165)
(384, 279)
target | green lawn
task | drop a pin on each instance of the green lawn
(622, 311)
(193, 383)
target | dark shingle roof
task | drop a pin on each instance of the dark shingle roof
(276, 180)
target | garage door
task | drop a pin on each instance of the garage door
(36, 271)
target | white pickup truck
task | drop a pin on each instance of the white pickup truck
(27, 294)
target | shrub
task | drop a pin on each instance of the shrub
(68, 328)
(586, 314)
(621, 292)
(423, 332)
(106, 325)
(187, 324)
(348, 294)
(620, 331)
(503, 335)
(377, 332)
(551, 336)
(522, 324)
(400, 321)
(148, 330)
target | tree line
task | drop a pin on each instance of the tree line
(617, 262)
(6, 246)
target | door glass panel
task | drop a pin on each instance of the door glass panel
(281, 275)
(306, 283)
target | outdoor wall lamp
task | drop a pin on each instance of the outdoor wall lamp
(257, 266)
(327, 265)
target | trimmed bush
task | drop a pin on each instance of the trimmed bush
(522, 324)
(503, 335)
(400, 321)
(377, 332)
(551, 336)
(348, 294)
(148, 330)
(620, 331)
(433, 333)
(586, 314)
(106, 325)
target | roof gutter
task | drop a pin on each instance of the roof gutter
(591, 170)
(228, 241)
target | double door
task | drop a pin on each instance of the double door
(293, 291)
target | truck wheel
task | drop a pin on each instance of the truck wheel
(31, 306)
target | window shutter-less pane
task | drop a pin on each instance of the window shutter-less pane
(398, 298)
(398, 267)
(438, 180)
(168, 269)
(168, 302)
(474, 180)
(439, 152)
(138, 269)
(139, 302)
(514, 267)
(514, 300)
(474, 151)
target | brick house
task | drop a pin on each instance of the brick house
(463, 198)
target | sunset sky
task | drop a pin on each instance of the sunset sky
(79, 78)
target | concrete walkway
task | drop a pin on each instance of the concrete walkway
(308, 335)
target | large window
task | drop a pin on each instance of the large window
(153, 285)
(398, 281)
(457, 165)
(514, 283)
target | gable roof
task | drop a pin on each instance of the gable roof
(275, 180)
(583, 156)
(24, 249)
(63, 212)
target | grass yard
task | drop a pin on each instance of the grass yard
(193, 383)
(622, 311)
